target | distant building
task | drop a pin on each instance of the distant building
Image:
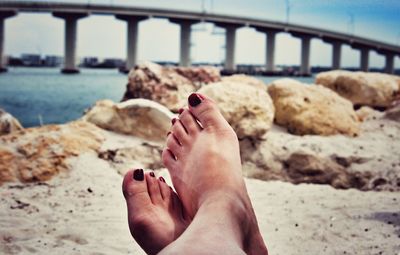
(31, 59)
(113, 62)
(90, 61)
(53, 61)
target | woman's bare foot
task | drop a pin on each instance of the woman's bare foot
(155, 213)
(204, 163)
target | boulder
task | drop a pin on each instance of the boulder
(245, 79)
(312, 109)
(167, 85)
(138, 155)
(393, 112)
(376, 90)
(37, 154)
(8, 123)
(367, 112)
(369, 161)
(137, 117)
(199, 75)
(248, 110)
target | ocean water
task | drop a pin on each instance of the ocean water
(44, 95)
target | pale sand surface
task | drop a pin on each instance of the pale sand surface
(83, 212)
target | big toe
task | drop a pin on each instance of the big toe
(136, 194)
(206, 111)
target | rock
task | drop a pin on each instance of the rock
(142, 155)
(393, 112)
(8, 123)
(369, 161)
(312, 109)
(166, 85)
(362, 89)
(199, 75)
(245, 79)
(248, 110)
(137, 117)
(366, 112)
(37, 154)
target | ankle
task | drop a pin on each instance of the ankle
(230, 208)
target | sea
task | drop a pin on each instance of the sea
(39, 96)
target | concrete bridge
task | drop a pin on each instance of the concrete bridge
(72, 12)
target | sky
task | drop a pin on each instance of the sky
(105, 37)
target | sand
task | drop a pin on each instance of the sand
(83, 212)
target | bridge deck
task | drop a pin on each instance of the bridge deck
(355, 41)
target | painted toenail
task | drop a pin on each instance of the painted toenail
(152, 174)
(138, 175)
(180, 111)
(194, 100)
(162, 179)
(173, 121)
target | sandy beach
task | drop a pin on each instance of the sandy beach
(83, 212)
(323, 178)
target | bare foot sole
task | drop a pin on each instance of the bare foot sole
(203, 159)
(155, 213)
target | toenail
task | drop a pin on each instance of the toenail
(180, 111)
(138, 175)
(194, 100)
(152, 174)
(162, 179)
(173, 121)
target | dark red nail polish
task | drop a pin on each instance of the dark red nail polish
(180, 111)
(173, 121)
(194, 100)
(162, 179)
(168, 134)
(152, 174)
(138, 175)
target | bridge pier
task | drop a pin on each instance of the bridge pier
(3, 16)
(389, 61)
(270, 48)
(364, 56)
(185, 44)
(71, 29)
(305, 69)
(132, 39)
(336, 52)
(230, 42)
(364, 59)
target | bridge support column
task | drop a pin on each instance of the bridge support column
(270, 51)
(185, 44)
(71, 29)
(132, 39)
(230, 42)
(270, 48)
(389, 65)
(3, 16)
(336, 55)
(364, 59)
(305, 69)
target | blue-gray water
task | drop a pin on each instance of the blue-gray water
(33, 93)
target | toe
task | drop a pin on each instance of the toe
(189, 122)
(165, 190)
(168, 159)
(154, 188)
(135, 191)
(206, 111)
(180, 133)
(173, 145)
